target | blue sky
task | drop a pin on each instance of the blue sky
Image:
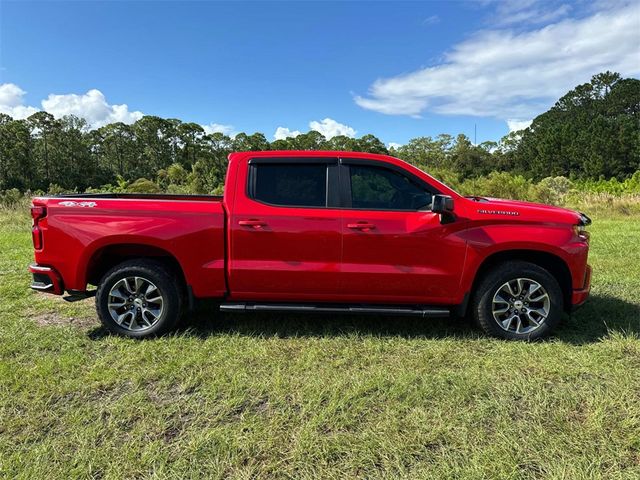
(394, 69)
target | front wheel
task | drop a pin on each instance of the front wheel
(138, 298)
(518, 301)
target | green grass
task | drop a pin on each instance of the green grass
(294, 396)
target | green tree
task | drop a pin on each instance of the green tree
(428, 153)
(155, 141)
(17, 163)
(43, 127)
(116, 149)
(255, 142)
(190, 136)
(592, 131)
(74, 167)
(342, 143)
(470, 160)
(308, 141)
(371, 144)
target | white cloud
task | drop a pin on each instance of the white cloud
(283, 132)
(12, 103)
(219, 128)
(330, 128)
(510, 75)
(529, 12)
(92, 106)
(515, 125)
(394, 145)
(11, 95)
(432, 20)
(327, 127)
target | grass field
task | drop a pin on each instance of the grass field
(294, 396)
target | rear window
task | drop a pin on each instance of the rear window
(295, 185)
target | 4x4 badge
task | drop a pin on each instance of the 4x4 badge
(71, 203)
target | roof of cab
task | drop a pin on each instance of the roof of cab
(310, 153)
(338, 154)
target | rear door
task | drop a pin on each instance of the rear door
(285, 230)
(395, 250)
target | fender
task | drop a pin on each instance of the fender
(203, 274)
(488, 240)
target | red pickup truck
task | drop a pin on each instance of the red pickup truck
(315, 231)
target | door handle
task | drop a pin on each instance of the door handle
(252, 223)
(361, 226)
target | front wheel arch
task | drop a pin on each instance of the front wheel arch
(554, 264)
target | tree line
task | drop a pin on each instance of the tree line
(592, 132)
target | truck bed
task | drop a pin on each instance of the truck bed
(81, 231)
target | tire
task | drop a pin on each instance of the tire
(518, 301)
(139, 298)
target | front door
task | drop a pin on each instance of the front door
(395, 250)
(285, 231)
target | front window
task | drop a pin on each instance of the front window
(378, 188)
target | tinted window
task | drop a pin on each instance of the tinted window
(376, 188)
(291, 184)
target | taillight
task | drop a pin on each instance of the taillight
(38, 212)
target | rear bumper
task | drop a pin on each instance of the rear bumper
(580, 296)
(46, 279)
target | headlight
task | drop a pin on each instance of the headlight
(581, 231)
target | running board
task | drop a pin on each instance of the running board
(368, 309)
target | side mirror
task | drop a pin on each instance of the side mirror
(443, 204)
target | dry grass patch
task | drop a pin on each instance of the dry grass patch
(49, 319)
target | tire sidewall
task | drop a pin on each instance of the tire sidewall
(156, 274)
(500, 276)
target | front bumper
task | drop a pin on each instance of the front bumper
(580, 296)
(46, 279)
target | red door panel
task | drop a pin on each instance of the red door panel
(399, 257)
(293, 255)
(394, 249)
(282, 253)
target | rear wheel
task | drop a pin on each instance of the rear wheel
(518, 301)
(138, 298)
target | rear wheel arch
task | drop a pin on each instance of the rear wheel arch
(107, 257)
(554, 264)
